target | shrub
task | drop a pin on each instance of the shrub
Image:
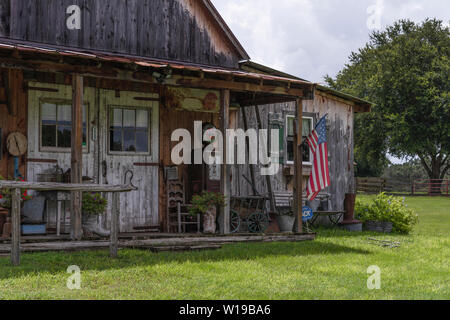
(93, 203)
(386, 208)
(202, 203)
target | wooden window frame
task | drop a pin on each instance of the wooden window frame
(58, 149)
(291, 116)
(149, 130)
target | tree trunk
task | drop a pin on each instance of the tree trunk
(436, 180)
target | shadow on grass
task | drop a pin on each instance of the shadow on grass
(57, 262)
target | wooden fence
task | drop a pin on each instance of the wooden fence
(378, 185)
(419, 187)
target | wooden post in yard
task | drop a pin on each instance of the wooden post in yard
(114, 235)
(76, 231)
(15, 237)
(298, 167)
(225, 171)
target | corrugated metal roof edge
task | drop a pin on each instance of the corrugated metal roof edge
(143, 61)
(319, 87)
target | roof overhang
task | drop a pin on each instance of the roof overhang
(359, 105)
(46, 58)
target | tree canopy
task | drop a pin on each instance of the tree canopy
(404, 70)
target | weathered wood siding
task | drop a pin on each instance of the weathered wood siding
(182, 30)
(13, 118)
(172, 119)
(340, 147)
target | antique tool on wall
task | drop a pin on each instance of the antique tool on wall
(17, 146)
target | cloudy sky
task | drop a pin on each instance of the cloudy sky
(311, 38)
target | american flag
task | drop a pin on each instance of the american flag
(320, 175)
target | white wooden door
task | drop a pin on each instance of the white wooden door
(129, 142)
(49, 131)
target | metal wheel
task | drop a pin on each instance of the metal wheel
(258, 222)
(235, 221)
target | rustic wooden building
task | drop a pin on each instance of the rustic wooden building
(98, 87)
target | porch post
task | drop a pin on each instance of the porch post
(225, 170)
(15, 232)
(298, 167)
(77, 156)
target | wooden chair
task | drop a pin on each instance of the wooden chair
(178, 211)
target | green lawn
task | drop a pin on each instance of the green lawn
(332, 267)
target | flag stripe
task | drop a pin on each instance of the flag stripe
(320, 174)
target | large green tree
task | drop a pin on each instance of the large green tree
(405, 71)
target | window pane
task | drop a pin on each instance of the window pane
(64, 136)
(306, 154)
(129, 119)
(290, 128)
(116, 119)
(84, 136)
(307, 127)
(115, 140)
(65, 115)
(142, 119)
(85, 109)
(142, 141)
(49, 136)
(48, 113)
(129, 140)
(290, 151)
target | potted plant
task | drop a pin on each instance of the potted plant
(5, 207)
(386, 214)
(207, 205)
(93, 205)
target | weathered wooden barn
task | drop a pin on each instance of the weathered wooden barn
(98, 87)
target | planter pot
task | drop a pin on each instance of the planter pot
(376, 226)
(91, 226)
(286, 223)
(7, 227)
(4, 213)
(209, 221)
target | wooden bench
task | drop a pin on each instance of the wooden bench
(284, 201)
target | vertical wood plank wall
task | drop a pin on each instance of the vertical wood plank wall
(171, 120)
(177, 30)
(14, 121)
(340, 146)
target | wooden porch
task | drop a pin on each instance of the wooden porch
(146, 241)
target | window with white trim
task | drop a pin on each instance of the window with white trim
(129, 130)
(307, 127)
(56, 125)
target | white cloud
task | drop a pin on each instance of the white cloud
(311, 38)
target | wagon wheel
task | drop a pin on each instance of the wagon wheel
(258, 222)
(235, 221)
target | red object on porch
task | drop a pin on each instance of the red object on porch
(349, 208)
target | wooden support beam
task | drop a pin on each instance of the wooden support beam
(298, 167)
(268, 180)
(225, 177)
(77, 156)
(15, 237)
(115, 218)
(252, 166)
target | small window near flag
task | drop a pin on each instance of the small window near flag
(307, 127)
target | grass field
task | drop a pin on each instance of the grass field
(332, 267)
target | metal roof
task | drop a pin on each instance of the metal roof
(23, 47)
